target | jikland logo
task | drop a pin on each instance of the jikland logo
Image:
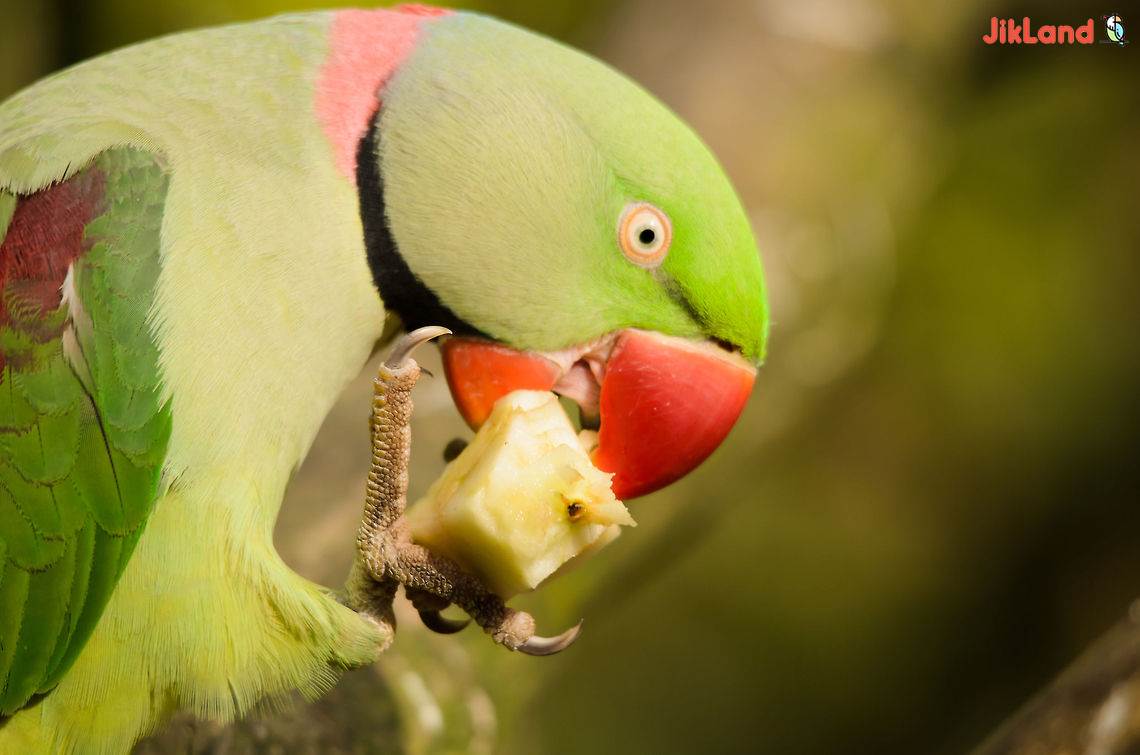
(1114, 28)
(1010, 31)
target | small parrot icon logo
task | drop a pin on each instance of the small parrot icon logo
(1114, 27)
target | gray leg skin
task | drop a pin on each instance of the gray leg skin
(386, 557)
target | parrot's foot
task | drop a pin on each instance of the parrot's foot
(387, 557)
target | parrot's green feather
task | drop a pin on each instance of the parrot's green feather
(13, 596)
(7, 207)
(260, 307)
(109, 554)
(80, 464)
(459, 142)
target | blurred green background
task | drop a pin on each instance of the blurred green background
(930, 505)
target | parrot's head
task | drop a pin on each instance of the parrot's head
(573, 233)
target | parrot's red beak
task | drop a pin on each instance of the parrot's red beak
(664, 403)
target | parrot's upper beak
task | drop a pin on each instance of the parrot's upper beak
(664, 403)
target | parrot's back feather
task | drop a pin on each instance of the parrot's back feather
(83, 426)
(231, 303)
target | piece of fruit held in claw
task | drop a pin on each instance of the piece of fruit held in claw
(521, 500)
(387, 556)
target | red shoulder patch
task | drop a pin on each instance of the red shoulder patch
(428, 11)
(45, 235)
(365, 48)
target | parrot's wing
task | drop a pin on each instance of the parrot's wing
(84, 426)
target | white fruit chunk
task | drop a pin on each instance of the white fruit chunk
(521, 500)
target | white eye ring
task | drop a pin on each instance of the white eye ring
(644, 234)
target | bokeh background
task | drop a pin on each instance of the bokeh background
(930, 504)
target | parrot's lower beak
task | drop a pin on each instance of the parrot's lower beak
(664, 403)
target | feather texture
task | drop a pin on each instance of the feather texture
(517, 156)
(261, 309)
(79, 463)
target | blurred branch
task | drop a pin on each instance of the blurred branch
(357, 716)
(1093, 707)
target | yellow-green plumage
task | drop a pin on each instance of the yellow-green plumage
(206, 617)
(82, 436)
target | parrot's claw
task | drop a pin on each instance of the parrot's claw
(550, 645)
(442, 625)
(429, 606)
(386, 556)
(402, 351)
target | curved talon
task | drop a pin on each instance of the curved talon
(441, 624)
(406, 345)
(550, 645)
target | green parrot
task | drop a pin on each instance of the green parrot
(202, 240)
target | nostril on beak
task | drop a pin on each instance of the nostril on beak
(728, 346)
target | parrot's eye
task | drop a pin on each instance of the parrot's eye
(644, 233)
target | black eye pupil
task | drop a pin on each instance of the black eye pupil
(646, 236)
